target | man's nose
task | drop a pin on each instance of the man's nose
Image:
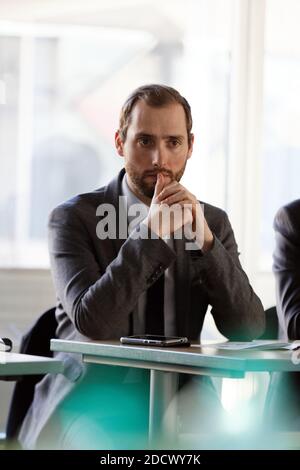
(159, 157)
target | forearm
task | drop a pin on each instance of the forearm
(99, 290)
(115, 294)
(288, 301)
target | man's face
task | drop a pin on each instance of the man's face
(156, 141)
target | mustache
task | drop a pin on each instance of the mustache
(163, 171)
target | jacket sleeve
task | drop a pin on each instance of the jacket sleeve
(286, 268)
(236, 309)
(98, 301)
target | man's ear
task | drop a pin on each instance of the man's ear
(191, 146)
(119, 144)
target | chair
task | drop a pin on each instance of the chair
(272, 326)
(36, 342)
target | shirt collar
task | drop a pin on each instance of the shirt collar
(132, 199)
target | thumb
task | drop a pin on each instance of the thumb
(160, 183)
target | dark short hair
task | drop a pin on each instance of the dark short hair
(156, 96)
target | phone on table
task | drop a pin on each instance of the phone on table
(156, 340)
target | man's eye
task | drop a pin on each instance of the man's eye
(144, 141)
(174, 142)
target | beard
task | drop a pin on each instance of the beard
(145, 185)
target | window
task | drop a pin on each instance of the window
(281, 126)
(65, 86)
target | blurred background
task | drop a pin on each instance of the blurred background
(66, 67)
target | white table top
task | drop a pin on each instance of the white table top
(13, 364)
(192, 358)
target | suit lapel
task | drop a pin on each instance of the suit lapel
(112, 194)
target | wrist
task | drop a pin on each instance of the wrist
(208, 243)
(151, 227)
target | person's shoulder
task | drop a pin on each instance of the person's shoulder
(287, 218)
(293, 208)
(85, 204)
(215, 216)
(212, 212)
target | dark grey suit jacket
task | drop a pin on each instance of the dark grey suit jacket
(98, 283)
(287, 269)
(282, 408)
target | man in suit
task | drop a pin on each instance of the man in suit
(287, 269)
(105, 281)
(283, 404)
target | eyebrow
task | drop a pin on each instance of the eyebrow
(145, 134)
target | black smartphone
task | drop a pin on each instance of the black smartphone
(156, 340)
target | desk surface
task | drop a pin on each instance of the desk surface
(13, 364)
(180, 359)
